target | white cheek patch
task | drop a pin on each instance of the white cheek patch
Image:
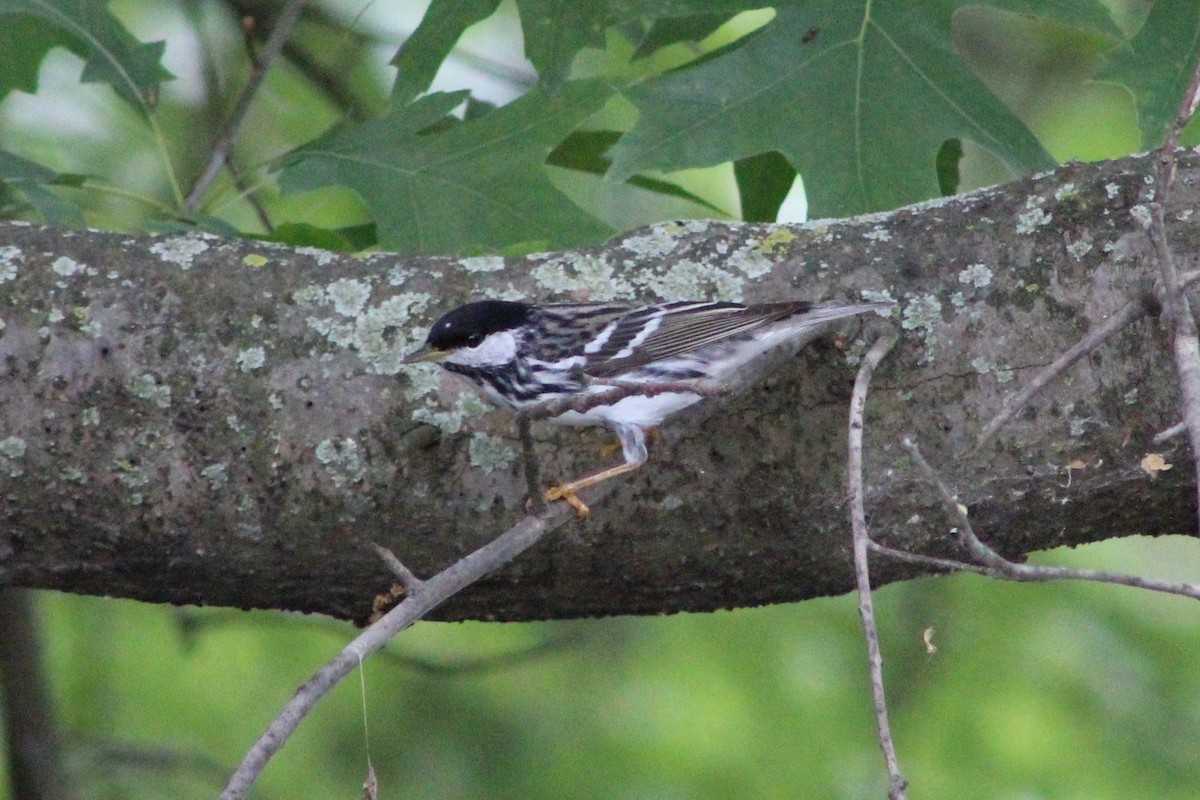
(496, 350)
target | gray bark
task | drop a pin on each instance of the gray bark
(197, 420)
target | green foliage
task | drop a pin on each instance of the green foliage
(1046, 690)
(481, 182)
(861, 98)
(1157, 64)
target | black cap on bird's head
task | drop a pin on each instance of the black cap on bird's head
(468, 326)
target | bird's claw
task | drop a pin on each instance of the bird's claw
(567, 495)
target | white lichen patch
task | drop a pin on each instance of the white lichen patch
(131, 476)
(10, 260)
(73, 475)
(958, 300)
(688, 280)
(1112, 190)
(753, 259)
(12, 451)
(592, 276)
(1130, 398)
(450, 420)
(322, 257)
(1065, 191)
(216, 474)
(1031, 220)
(66, 267)
(180, 250)
(879, 296)
(348, 296)
(55, 315)
(481, 264)
(490, 453)
(1141, 215)
(251, 359)
(146, 387)
(982, 366)
(658, 242)
(923, 313)
(90, 417)
(977, 275)
(341, 461)
(309, 296)
(424, 381)
(878, 234)
(1079, 249)
(398, 275)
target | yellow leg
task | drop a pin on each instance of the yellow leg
(567, 491)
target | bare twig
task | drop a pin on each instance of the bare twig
(1169, 433)
(1028, 572)
(412, 583)
(1186, 339)
(1126, 314)
(224, 143)
(947, 564)
(858, 525)
(427, 596)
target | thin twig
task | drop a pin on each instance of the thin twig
(1169, 433)
(1029, 572)
(1186, 339)
(412, 584)
(429, 594)
(947, 564)
(858, 525)
(258, 72)
(1126, 314)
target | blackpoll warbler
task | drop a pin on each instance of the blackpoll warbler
(521, 355)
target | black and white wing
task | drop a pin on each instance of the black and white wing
(661, 332)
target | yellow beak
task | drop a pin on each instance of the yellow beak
(425, 353)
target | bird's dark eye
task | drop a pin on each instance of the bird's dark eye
(474, 340)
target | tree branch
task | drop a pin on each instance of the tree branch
(858, 526)
(166, 435)
(223, 145)
(423, 597)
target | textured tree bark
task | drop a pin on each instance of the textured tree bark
(197, 420)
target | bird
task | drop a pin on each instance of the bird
(627, 366)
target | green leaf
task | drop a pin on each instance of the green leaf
(13, 167)
(555, 30)
(480, 183)
(763, 181)
(584, 151)
(422, 53)
(111, 53)
(300, 234)
(26, 182)
(1157, 64)
(859, 97)
(55, 209)
(24, 42)
(671, 30)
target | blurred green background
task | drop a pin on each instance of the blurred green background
(1033, 691)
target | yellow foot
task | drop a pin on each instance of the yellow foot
(568, 495)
